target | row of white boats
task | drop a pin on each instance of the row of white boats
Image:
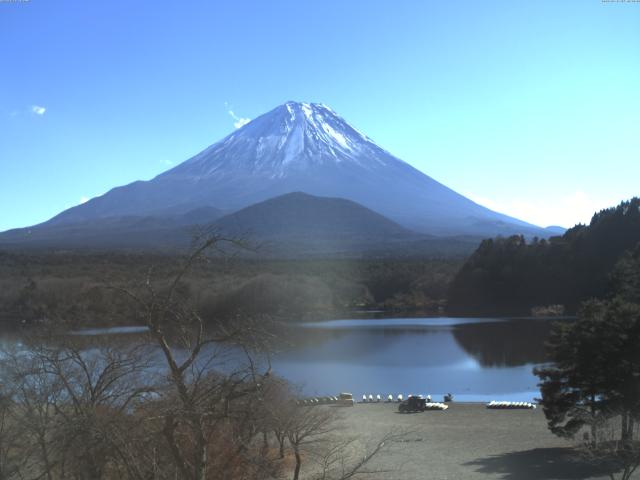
(344, 399)
(390, 398)
(510, 405)
(347, 399)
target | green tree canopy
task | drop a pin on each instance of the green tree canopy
(510, 275)
(596, 361)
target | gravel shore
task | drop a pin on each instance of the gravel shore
(467, 441)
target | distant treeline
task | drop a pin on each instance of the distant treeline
(75, 288)
(513, 276)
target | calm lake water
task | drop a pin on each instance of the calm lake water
(476, 359)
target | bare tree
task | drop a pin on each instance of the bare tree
(198, 401)
(278, 402)
(306, 427)
(9, 436)
(338, 464)
(74, 408)
(204, 401)
(315, 432)
(35, 395)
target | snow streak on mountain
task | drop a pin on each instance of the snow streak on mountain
(291, 139)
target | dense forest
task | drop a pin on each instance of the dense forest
(505, 276)
(75, 288)
(513, 276)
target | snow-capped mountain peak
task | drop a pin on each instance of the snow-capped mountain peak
(301, 147)
(292, 137)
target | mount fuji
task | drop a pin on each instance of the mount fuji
(296, 147)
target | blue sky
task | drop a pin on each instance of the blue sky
(530, 108)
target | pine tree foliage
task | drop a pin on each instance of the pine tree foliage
(513, 275)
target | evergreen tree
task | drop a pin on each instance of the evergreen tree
(596, 370)
(572, 386)
(626, 276)
(508, 275)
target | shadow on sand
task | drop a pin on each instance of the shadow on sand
(542, 464)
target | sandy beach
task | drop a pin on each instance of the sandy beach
(467, 441)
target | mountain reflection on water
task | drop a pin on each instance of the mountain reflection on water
(476, 359)
(505, 344)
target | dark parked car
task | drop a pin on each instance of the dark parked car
(413, 404)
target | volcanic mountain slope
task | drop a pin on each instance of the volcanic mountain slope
(299, 216)
(291, 225)
(136, 232)
(298, 224)
(299, 147)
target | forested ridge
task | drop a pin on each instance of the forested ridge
(513, 276)
(74, 287)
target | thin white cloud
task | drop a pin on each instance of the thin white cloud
(38, 109)
(239, 121)
(83, 199)
(566, 211)
(166, 162)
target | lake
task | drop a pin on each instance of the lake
(475, 359)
